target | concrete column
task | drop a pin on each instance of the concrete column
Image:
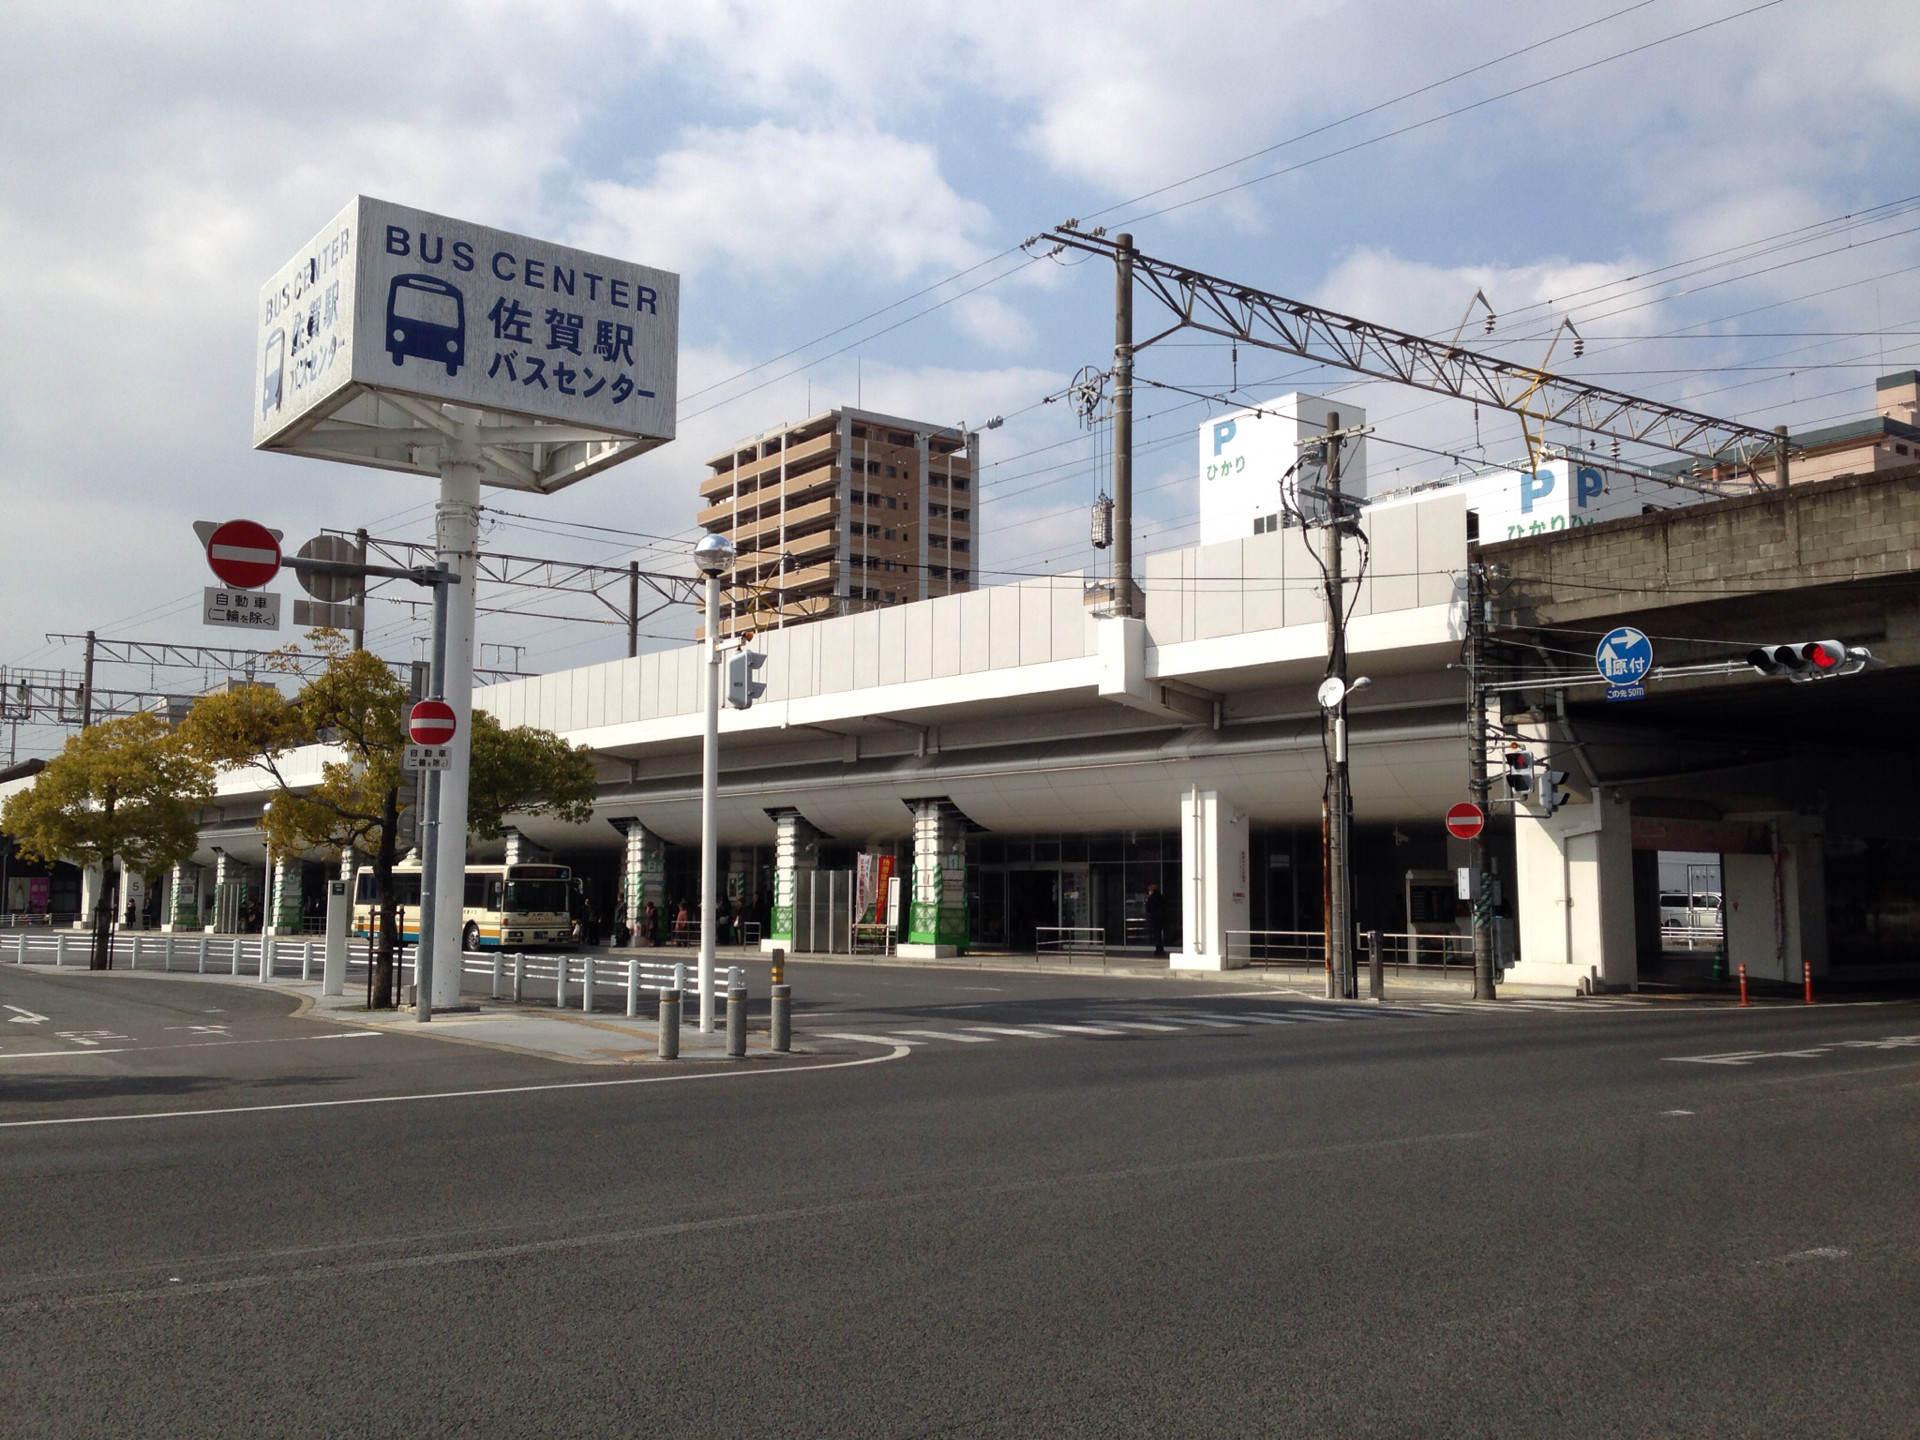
(1213, 881)
(643, 874)
(183, 905)
(737, 876)
(222, 918)
(795, 855)
(936, 918)
(521, 850)
(1574, 884)
(133, 891)
(285, 901)
(89, 896)
(1776, 905)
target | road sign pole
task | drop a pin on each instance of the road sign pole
(1481, 888)
(425, 965)
(709, 801)
(457, 538)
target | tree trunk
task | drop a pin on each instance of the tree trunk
(105, 902)
(383, 858)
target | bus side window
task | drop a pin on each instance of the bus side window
(494, 887)
(365, 894)
(476, 889)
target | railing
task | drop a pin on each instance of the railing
(577, 979)
(1422, 953)
(1277, 947)
(873, 939)
(1071, 941)
(1307, 949)
(1692, 937)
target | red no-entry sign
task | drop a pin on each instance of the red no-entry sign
(432, 722)
(243, 554)
(1464, 821)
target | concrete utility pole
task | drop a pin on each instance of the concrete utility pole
(1123, 425)
(457, 540)
(86, 687)
(633, 608)
(1338, 811)
(1480, 878)
(360, 558)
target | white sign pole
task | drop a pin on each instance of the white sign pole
(457, 527)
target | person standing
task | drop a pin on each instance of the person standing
(1157, 921)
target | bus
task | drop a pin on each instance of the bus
(523, 907)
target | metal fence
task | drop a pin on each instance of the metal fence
(1070, 942)
(577, 979)
(1692, 937)
(1400, 953)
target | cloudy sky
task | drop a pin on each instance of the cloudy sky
(1723, 195)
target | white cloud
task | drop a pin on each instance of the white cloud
(773, 200)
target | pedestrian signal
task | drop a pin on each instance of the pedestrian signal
(742, 688)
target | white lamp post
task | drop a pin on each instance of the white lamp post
(714, 555)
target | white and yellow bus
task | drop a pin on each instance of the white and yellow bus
(518, 906)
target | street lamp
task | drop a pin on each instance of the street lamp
(714, 556)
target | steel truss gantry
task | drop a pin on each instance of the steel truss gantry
(1273, 322)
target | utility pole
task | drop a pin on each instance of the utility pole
(360, 558)
(1337, 814)
(1123, 425)
(86, 687)
(633, 608)
(1479, 876)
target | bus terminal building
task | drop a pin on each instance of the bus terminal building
(1030, 763)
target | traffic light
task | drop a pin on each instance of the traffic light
(1812, 659)
(742, 688)
(1519, 774)
(1552, 797)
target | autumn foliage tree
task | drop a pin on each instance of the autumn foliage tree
(358, 708)
(124, 790)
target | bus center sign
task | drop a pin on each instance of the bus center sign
(389, 313)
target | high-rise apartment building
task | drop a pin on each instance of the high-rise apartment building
(846, 511)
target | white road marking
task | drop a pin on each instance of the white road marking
(898, 1050)
(25, 1017)
(1080, 1029)
(189, 1045)
(946, 1035)
(1268, 1018)
(1144, 1025)
(1812, 1052)
(1024, 1033)
(1203, 1024)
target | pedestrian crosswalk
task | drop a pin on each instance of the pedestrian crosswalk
(1139, 1024)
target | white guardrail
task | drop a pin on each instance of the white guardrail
(577, 979)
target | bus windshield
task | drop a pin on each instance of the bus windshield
(430, 306)
(536, 896)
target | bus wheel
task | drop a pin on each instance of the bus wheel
(470, 937)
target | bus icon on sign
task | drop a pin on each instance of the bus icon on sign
(427, 319)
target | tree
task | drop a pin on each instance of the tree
(356, 704)
(124, 790)
(533, 772)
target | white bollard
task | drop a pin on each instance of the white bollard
(266, 958)
(680, 980)
(586, 984)
(20, 949)
(560, 982)
(633, 988)
(134, 963)
(306, 959)
(203, 955)
(236, 957)
(60, 949)
(519, 976)
(499, 961)
(166, 955)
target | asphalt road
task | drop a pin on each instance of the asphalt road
(1217, 1217)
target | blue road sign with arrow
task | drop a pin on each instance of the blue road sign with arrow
(1623, 660)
